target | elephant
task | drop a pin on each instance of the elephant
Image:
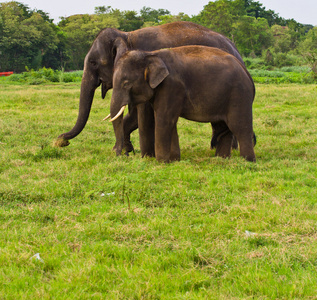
(110, 45)
(198, 83)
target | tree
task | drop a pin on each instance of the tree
(153, 15)
(129, 21)
(221, 15)
(257, 10)
(81, 31)
(99, 10)
(284, 38)
(170, 18)
(25, 36)
(308, 49)
(252, 35)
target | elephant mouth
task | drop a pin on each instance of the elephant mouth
(105, 87)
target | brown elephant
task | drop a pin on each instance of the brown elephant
(198, 83)
(110, 44)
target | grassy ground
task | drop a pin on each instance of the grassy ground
(108, 227)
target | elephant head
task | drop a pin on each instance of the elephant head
(135, 78)
(109, 45)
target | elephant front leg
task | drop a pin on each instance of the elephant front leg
(118, 130)
(175, 150)
(164, 134)
(130, 123)
(146, 124)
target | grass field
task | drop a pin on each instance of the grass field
(108, 227)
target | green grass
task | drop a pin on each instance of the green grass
(283, 75)
(110, 227)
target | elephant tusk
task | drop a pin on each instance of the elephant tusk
(106, 118)
(118, 114)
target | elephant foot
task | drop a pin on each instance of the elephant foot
(128, 147)
(224, 144)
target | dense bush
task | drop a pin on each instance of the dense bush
(44, 75)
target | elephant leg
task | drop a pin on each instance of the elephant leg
(224, 144)
(217, 130)
(246, 146)
(243, 130)
(146, 129)
(165, 132)
(118, 130)
(130, 123)
(175, 150)
(221, 139)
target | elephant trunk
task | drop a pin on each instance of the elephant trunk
(86, 97)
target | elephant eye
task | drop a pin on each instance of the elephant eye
(126, 84)
(93, 63)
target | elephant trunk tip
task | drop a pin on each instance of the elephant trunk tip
(61, 142)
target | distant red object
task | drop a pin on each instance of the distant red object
(6, 73)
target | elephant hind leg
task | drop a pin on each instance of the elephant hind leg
(246, 148)
(218, 130)
(224, 144)
(221, 139)
(246, 143)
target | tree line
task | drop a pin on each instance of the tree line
(30, 40)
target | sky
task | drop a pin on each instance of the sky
(303, 11)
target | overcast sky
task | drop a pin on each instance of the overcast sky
(303, 11)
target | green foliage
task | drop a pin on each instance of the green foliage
(81, 31)
(308, 48)
(29, 38)
(44, 75)
(153, 15)
(221, 15)
(170, 18)
(251, 35)
(25, 37)
(284, 38)
(255, 9)
(110, 227)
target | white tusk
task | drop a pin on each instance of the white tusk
(118, 114)
(106, 118)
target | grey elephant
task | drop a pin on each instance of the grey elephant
(110, 45)
(198, 83)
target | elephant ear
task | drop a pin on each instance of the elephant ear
(155, 72)
(119, 48)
